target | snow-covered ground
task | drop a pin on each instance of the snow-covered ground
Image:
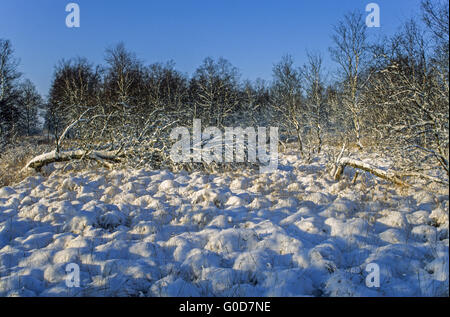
(154, 233)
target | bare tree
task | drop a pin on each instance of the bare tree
(410, 103)
(287, 98)
(350, 51)
(167, 89)
(312, 74)
(9, 113)
(124, 90)
(30, 102)
(254, 106)
(436, 16)
(214, 88)
(75, 89)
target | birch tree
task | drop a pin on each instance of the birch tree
(411, 101)
(287, 98)
(312, 74)
(75, 89)
(214, 88)
(350, 52)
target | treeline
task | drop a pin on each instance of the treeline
(391, 95)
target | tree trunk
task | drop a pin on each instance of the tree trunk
(300, 142)
(345, 161)
(103, 157)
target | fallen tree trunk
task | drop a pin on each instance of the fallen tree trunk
(345, 161)
(395, 177)
(103, 157)
(423, 176)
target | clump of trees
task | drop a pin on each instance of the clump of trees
(390, 96)
(407, 95)
(19, 99)
(396, 91)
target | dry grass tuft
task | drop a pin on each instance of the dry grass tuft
(15, 156)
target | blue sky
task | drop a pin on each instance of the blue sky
(252, 35)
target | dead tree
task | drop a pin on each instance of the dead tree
(392, 176)
(387, 175)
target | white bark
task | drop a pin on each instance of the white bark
(387, 175)
(105, 158)
(392, 176)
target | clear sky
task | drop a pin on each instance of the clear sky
(251, 34)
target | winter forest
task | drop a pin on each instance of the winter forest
(87, 174)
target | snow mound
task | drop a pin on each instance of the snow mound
(155, 233)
